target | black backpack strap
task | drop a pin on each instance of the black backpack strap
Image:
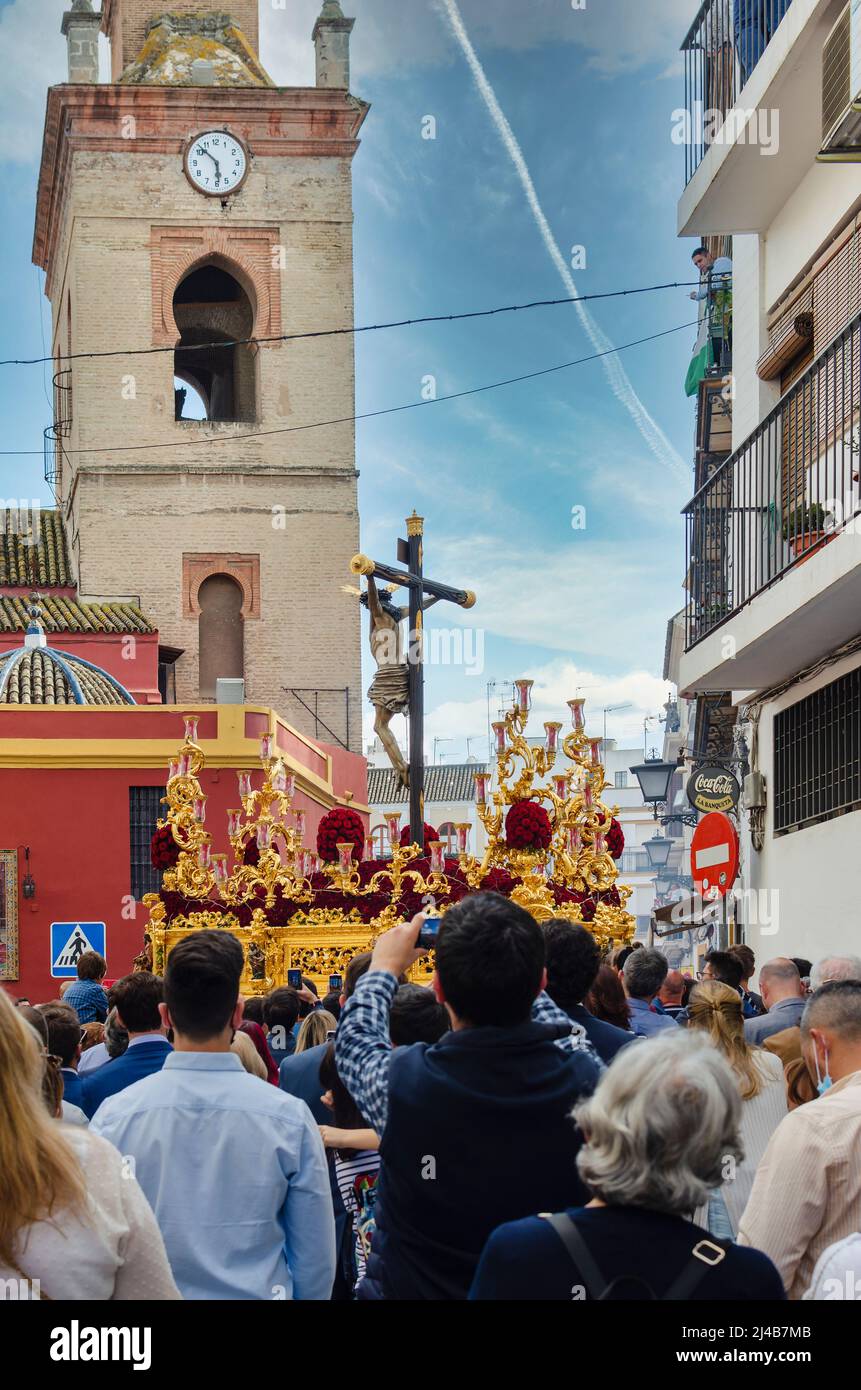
(579, 1252)
(706, 1255)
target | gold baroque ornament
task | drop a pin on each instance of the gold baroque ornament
(274, 876)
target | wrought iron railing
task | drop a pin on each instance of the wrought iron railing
(793, 485)
(722, 48)
(60, 429)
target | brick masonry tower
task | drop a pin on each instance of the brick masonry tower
(188, 205)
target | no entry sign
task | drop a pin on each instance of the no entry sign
(714, 855)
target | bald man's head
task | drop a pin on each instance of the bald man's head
(779, 979)
(673, 988)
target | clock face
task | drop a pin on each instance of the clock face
(216, 162)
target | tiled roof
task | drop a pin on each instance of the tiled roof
(61, 614)
(443, 783)
(40, 676)
(29, 566)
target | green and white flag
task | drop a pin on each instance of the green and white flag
(702, 358)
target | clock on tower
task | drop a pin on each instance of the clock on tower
(190, 215)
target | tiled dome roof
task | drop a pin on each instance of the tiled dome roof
(36, 674)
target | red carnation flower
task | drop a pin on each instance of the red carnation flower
(251, 854)
(527, 826)
(615, 839)
(430, 834)
(337, 827)
(164, 851)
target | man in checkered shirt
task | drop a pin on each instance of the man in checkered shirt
(475, 1129)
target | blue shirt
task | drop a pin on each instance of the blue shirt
(88, 1000)
(645, 1021)
(236, 1174)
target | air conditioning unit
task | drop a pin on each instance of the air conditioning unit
(229, 690)
(841, 88)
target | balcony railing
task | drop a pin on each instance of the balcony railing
(56, 433)
(788, 491)
(722, 48)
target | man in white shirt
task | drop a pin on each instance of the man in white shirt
(234, 1168)
(806, 1195)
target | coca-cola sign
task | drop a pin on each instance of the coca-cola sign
(713, 789)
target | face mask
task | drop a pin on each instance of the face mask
(823, 1082)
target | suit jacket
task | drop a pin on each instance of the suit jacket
(138, 1061)
(786, 1013)
(604, 1037)
(299, 1075)
(72, 1085)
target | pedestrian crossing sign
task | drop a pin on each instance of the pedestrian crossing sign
(69, 941)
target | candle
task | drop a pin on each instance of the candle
(279, 779)
(369, 848)
(482, 782)
(191, 722)
(560, 787)
(345, 856)
(266, 745)
(576, 708)
(307, 863)
(572, 835)
(393, 823)
(233, 822)
(219, 865)
(600, 843)
(264, 836)
(462, 828)
(184, 765)
(595, 745)
(204, 856)
(551, 736)
(498, 728)
(289, 784)
(300, 824)
(588, 798)
(200, 809)
(437, 862)
(524, 694)
(244, 779)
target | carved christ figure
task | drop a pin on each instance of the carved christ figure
(389, 690)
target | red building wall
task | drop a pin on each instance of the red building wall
(75, 820)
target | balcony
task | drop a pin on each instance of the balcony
(751, 122)
(55, 434)
(780, 515)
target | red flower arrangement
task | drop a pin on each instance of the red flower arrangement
(407, 839)
(527, 826)
(251, 854)
(615, 839)
(337, 827)
(164, 851)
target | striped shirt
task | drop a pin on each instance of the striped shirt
(356, 1177)
(807, 1191)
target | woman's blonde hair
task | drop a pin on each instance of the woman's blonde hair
(315, 1029)
(39, 1171)
(716, 1009)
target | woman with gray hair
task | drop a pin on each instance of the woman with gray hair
(660, 1127)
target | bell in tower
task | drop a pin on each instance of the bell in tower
(194, 221)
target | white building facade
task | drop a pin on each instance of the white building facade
(773, 568)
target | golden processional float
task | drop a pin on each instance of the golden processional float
(552, 846)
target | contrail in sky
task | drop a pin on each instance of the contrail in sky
(616, 374)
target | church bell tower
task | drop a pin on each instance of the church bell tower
(193, 222)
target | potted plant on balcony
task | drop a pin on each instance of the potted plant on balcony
(804, 529)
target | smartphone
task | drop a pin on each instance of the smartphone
(294, 979)
(336, 982)
(429, 933)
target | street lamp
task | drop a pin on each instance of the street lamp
(658, 849)
(654, 777)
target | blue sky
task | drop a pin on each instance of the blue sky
(444, 225)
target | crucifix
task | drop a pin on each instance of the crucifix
(398, 687)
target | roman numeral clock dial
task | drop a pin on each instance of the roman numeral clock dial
(216, 163)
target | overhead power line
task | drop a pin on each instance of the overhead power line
(341, 332)
(351, 419)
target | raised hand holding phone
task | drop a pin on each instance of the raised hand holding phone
(397, 949)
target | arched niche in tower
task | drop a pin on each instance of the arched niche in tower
(221, 632)
(214, 311)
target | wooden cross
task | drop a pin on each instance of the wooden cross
(423, 593)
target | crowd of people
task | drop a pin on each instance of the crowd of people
(539, 1123)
